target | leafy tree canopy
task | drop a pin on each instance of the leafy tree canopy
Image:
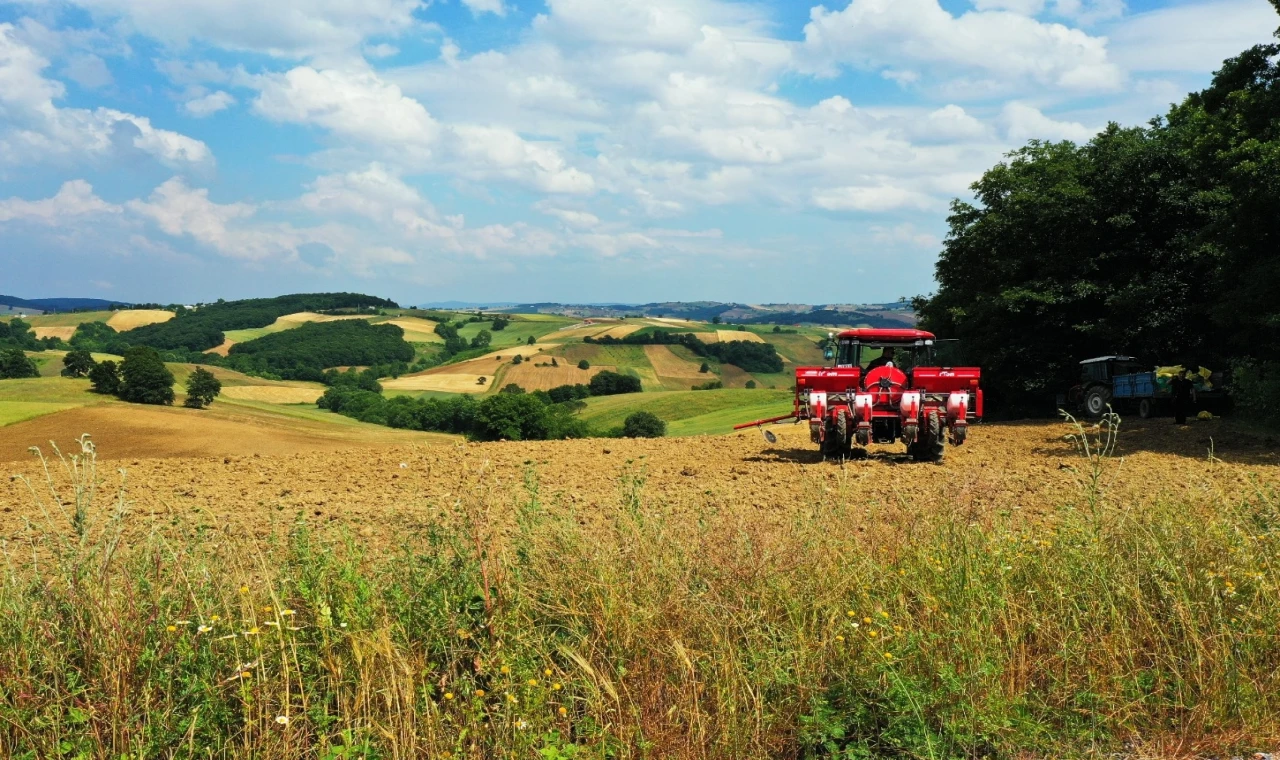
(1158, 241)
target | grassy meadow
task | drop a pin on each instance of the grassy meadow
(668, 627)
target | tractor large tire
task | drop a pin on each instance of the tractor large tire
(1096, 400)
(832, 446)
(932, 442)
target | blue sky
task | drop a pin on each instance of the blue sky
(546, 150)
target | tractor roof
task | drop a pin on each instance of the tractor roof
(887, 335)
(1108, 359)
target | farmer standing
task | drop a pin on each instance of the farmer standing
(1183, 392)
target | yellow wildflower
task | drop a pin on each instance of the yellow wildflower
(563, 711)
(448, 695)
(533, 682)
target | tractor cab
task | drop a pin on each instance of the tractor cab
(867, 354)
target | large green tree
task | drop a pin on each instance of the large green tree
(202, 389)
(143, 377)
(15, 364)
(1160, 241)
(77, 363)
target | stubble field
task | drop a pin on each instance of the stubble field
(705, 597)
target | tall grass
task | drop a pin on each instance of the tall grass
(522, 631)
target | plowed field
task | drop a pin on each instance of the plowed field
(383, 490)
(531, 377)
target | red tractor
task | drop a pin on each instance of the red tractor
(885, 387)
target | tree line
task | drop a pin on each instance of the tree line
(512, 414)
(1159, 241)
(201, 329)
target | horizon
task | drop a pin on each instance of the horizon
(671, 150)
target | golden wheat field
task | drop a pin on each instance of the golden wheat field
(128, 319)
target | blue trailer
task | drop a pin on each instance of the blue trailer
(1121, 383)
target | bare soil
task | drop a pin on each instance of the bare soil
(199, 467)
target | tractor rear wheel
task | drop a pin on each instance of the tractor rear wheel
(832, 446)
(1096, 400)
(931, 444)
(1146, 408)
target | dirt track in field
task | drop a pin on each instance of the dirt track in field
(382, 493)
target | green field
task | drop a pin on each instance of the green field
(516, 333)
(689, 412)
(73, 319)
(17, 411)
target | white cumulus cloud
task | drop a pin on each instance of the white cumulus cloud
(1009, 49)
(207, 105)
(34, 129)
(74, 199)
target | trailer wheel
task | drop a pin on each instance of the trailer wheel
(1096, 400)
(1146, 409)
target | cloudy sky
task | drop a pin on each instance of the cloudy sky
(530, 150)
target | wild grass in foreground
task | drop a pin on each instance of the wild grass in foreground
(501, 632)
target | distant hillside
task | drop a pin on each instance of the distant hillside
(59, 304)
(873, 315)
(203, 328)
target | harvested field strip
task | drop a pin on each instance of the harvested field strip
(128, 431)
(622, 331)
(224, 349)
(442, 383)
(273, 394)
(534, 378)
(128, 319)
(54, 332)
(733, 376)
(728, 336)
(417, 330)
(708, 337)
(667, 364)
(311, 316)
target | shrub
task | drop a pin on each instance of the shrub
(518, 359)
(482, 339)
(643, 425)
(710, 385)
(1256, 390)
(202, 389)
(704, 368)
(500, 323)
(531, 340)
(611, 383)
(104, 378)
(584, 364)
(751, 384)
(14, 364)
(511, 388)
(144, 379)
